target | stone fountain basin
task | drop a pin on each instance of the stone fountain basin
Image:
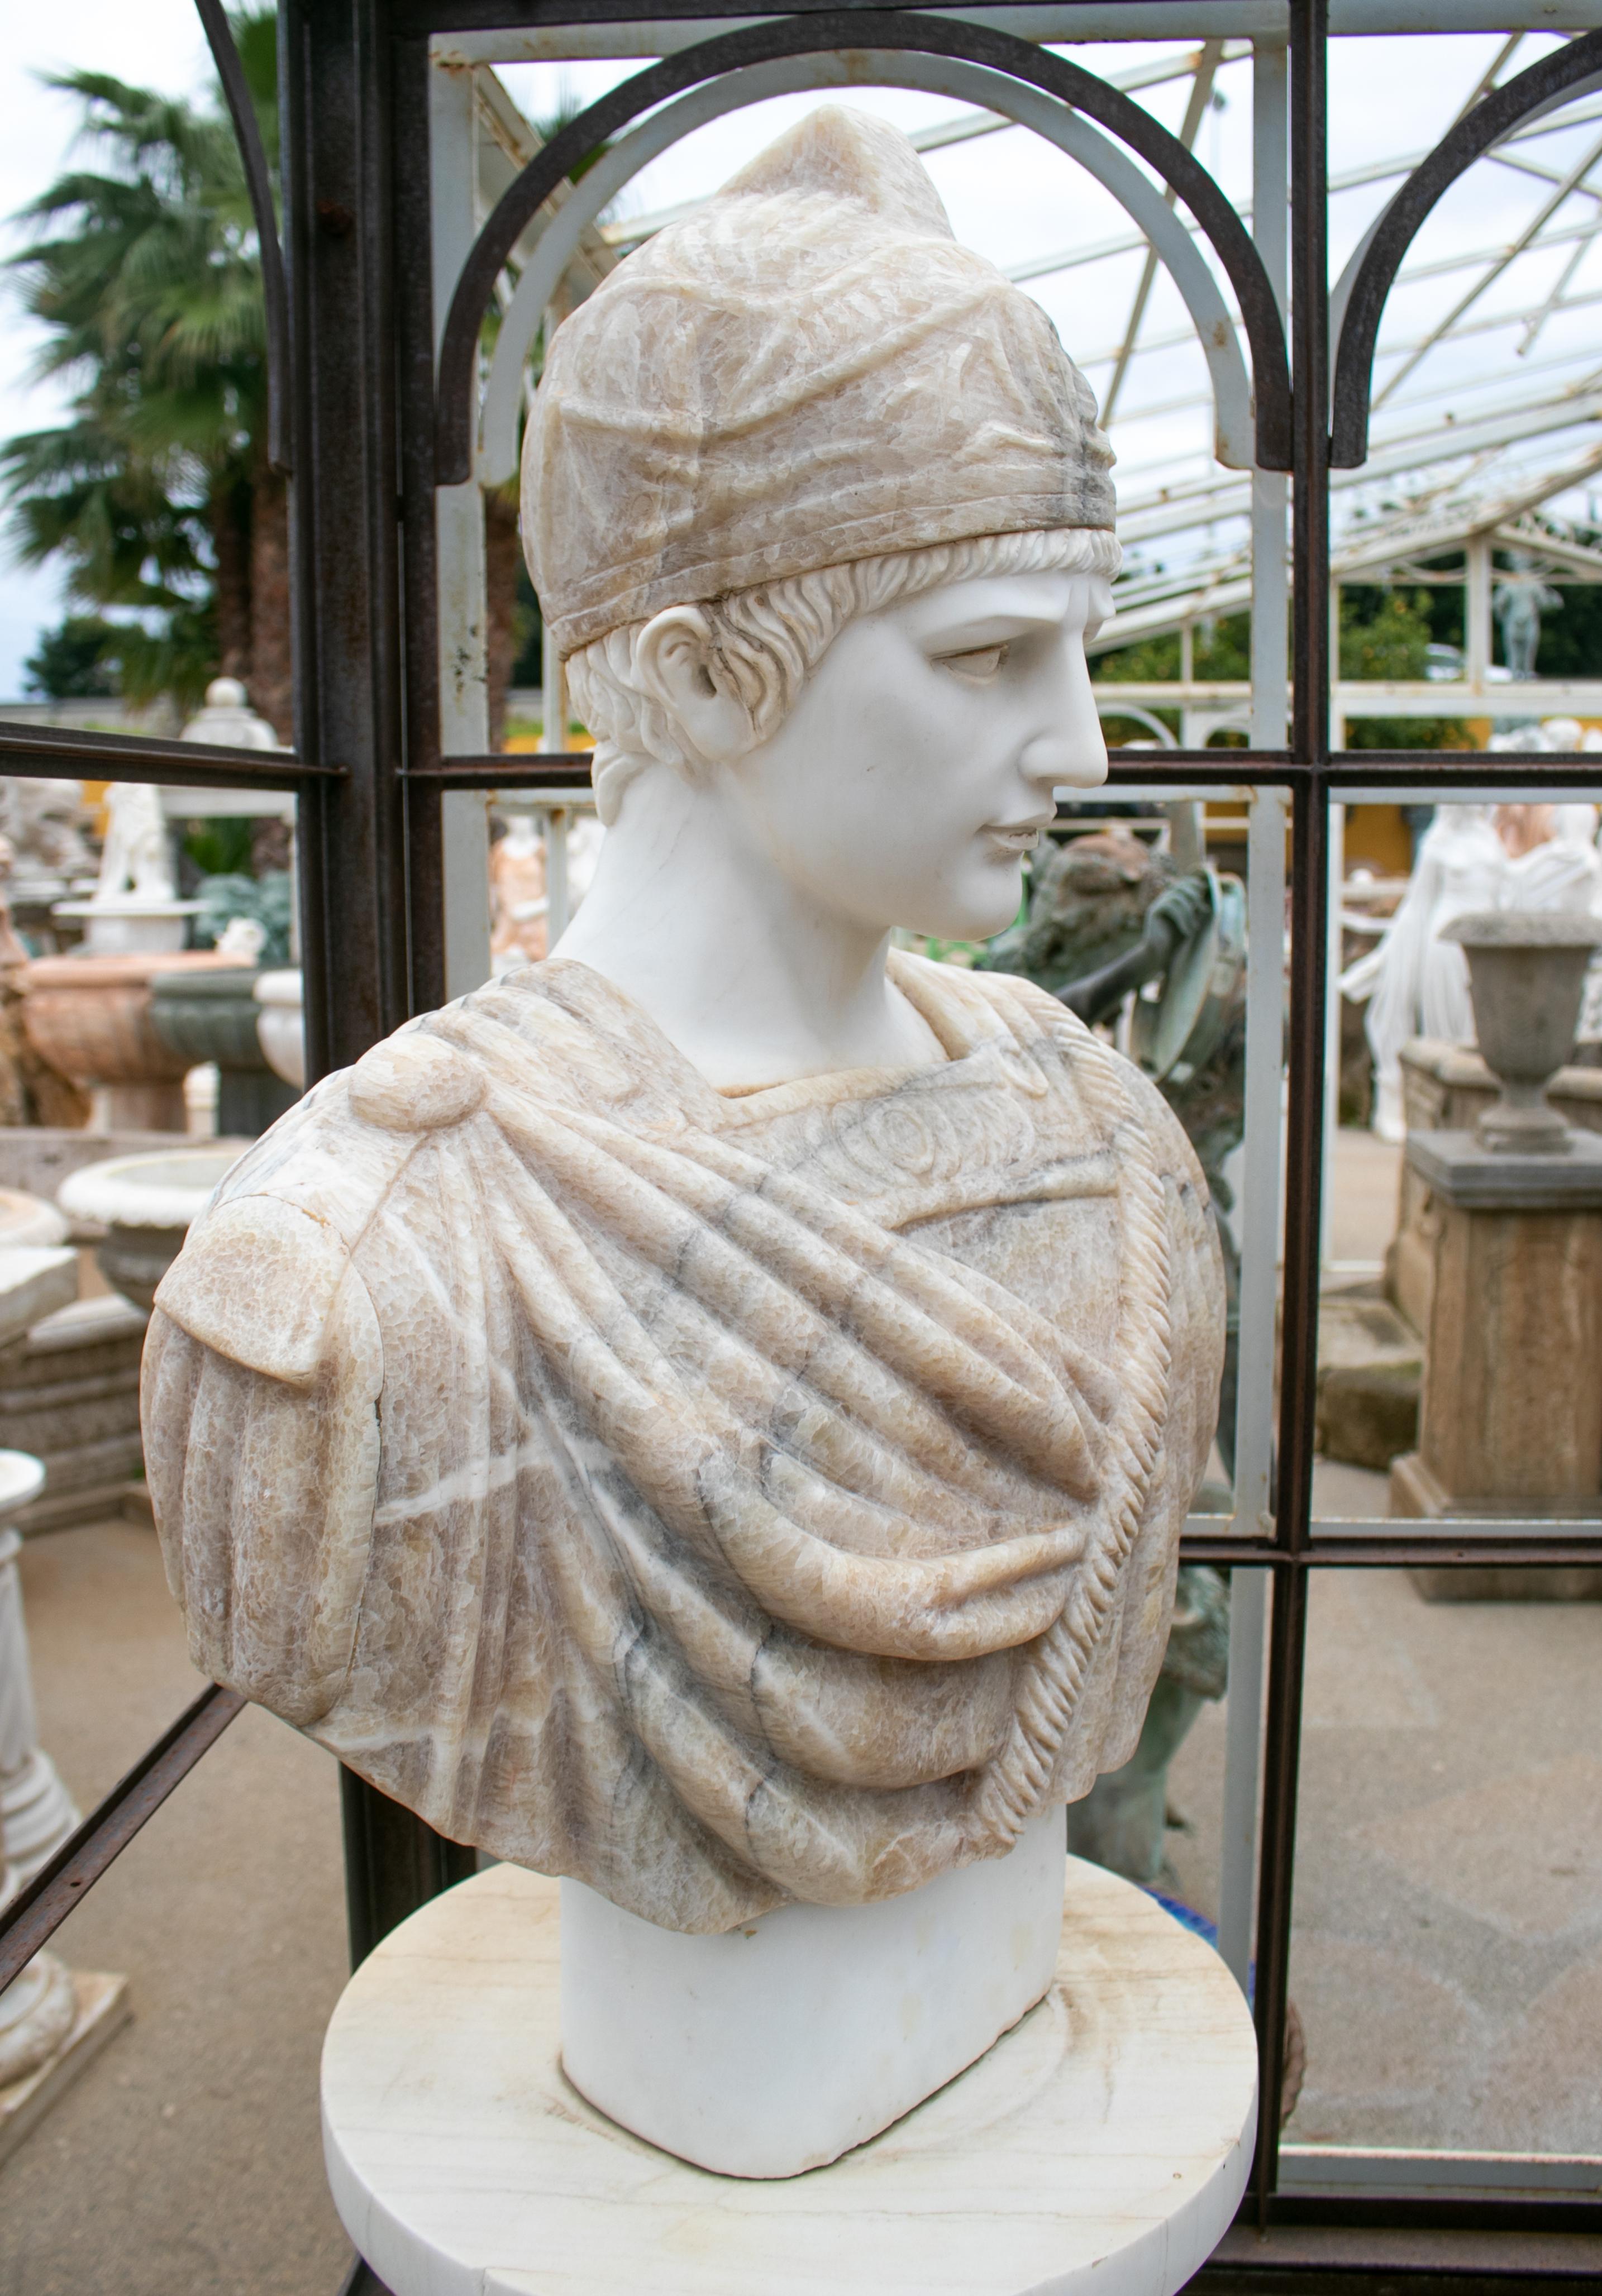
(146, 1203)
(90, 1017)
(29, 1221)
(21, 1479)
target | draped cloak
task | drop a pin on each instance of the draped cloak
(724, 1498)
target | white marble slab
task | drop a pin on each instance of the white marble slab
(1107, 2136)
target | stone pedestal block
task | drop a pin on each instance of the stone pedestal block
(1446, 1088)
(1510, 1421)
(69, 1395)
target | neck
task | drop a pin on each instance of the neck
(752, 978)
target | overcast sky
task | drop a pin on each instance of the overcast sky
(1011, 196)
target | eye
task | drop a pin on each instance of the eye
(978, 666)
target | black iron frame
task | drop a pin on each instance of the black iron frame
(369, 425)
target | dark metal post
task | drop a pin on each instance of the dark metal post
(345, 536)
(1304, 1142)
(414, 322)
(345, 569)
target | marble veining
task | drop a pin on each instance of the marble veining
(640, 1484)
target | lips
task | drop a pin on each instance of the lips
(1016, 837)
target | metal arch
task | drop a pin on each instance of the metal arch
(1168, 238)
(1107, 707)
(1572, 71)
(1209, 56)
(852, 32)
(275, 292)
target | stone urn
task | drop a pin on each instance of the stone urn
(212, 1016)
(280, 1024)
(1526, 978)
(89, 1017)
(146, 1203)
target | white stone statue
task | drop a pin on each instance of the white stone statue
(711, 1415)
(1471, 858)
(1522, 595)
(134, 909)
(137, 856)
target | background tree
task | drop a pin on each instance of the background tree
(1386, 632)
(79, 659)
(156, 492)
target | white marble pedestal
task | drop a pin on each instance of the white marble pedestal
(1106, 2138)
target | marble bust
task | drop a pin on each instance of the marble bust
(710, 1414)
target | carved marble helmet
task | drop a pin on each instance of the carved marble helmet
(808, 370)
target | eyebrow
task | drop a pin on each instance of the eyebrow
(974, 633)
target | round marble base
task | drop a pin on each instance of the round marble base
(1106, 2138)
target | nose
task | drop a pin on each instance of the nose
(1073, 751)
(1054, 760)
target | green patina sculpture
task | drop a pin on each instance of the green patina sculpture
(1109, 916)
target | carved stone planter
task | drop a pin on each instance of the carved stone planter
(213, 1016)
(1526, 976)
(1510, 1421)
(89, 1017)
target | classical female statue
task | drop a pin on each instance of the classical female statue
(711, 1415)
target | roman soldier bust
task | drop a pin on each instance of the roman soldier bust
(711, 1415)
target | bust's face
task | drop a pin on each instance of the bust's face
(921, 762)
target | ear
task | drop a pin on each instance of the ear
(674, 662)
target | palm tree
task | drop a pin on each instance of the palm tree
(156, 492)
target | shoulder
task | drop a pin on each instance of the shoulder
(257, 1281)
(1029, 1007)
(968, 1005)
(1110, 1088)
(1022, 1003)
(263, 1267)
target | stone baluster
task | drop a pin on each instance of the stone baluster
(36, 1813)
(38, 2011)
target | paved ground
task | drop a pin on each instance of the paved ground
(1447, 1959)
(1365, 1187)
(187, 2160)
